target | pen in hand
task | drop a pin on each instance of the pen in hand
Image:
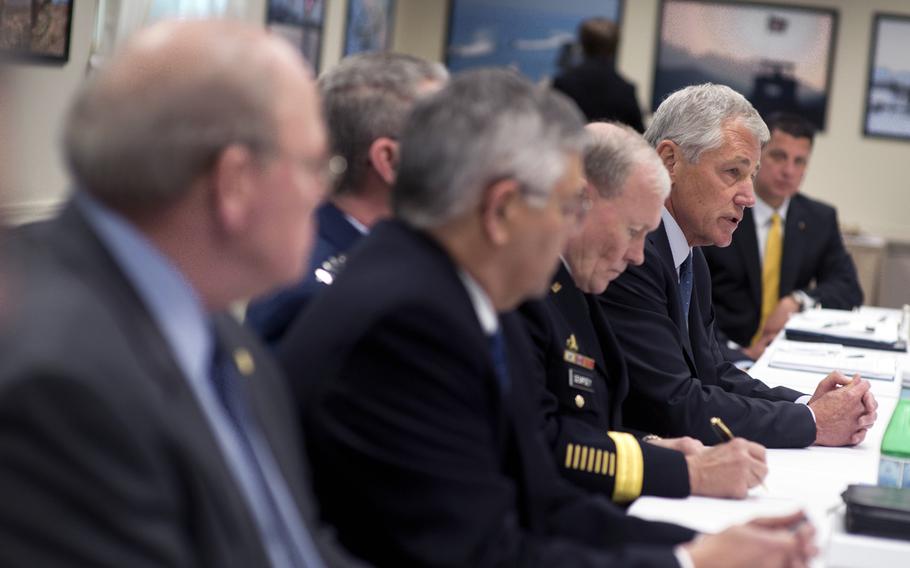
(726, 435)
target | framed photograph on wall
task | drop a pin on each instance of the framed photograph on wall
(301, 23)
(537, 37)
(369, 27)
(778, 56)
(888, 88)
(36, 30)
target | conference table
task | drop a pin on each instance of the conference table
(810, 479)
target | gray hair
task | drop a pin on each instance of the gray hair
(368, 96)
(140, 143)
(613, 154)
(694, 118)
(486, 125)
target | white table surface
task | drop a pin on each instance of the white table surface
(810, 479)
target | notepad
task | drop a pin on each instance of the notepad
(827, 357)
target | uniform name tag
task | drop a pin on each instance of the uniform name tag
(579, 381)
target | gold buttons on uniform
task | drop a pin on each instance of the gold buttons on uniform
(579, 401)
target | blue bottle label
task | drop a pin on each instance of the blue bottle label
(893, 472)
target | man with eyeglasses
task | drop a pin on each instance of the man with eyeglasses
(365, 99)
(141, 424)
(420, 422)
(578, 362)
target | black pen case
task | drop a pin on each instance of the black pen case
(877, 511)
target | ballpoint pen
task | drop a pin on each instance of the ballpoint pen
(726, 435)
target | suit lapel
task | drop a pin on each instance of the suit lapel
(570, 301)
(746, 244)
(793, 238)
(335, 228)
(617, 375)
(78, 244)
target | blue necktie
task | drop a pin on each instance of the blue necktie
(685, 286)
(498, 352)
(230, 394)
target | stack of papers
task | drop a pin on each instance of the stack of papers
(869, 329)
(827, 357)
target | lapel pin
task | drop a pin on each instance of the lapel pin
(579, 401)
(244, 361)
(572, 343)
(556, 287)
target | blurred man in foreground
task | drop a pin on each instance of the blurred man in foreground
(138, 426)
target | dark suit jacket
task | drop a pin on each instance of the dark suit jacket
(420, 459)
(678, 378)
(270, 316)
(581, 404)
(106, 458)
(601, 93)
(814, 260)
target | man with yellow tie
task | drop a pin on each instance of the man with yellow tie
(787, 254)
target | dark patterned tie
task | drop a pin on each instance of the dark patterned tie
(227, 385)
(498, 351)
(685, 286)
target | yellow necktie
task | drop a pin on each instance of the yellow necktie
(770, 274)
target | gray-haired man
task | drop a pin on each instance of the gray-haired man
(366, 99)
(709, 138)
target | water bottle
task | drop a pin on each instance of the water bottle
(894, 466)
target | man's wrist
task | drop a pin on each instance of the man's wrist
(805, 301)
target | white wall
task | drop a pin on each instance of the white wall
(863, 177)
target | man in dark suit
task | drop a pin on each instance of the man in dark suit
(596, 87)
(709, 138)
(139, 427)
(426, 442)
(366, 98)
(788, 254)
(578, 360)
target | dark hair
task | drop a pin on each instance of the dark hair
(598, 37)
(792, 124)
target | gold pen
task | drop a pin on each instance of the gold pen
(726, 435)
(721, 429)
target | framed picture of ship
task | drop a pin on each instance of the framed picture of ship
(535, 37)
(369, 26)
(778, 56)
(888, 91)
(35, 30)
(301, 23)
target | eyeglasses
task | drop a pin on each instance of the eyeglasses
(573, 209)
(325, 170)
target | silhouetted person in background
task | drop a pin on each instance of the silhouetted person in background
(595, 86)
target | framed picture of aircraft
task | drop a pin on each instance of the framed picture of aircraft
(888, 87)
(778, 56)
(536, 37)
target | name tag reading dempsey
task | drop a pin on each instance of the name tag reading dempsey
(579, 381)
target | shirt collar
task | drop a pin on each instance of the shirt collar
(163, 289)
(361, 228)
(483, 307)
(762, 212)
(679, 246)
